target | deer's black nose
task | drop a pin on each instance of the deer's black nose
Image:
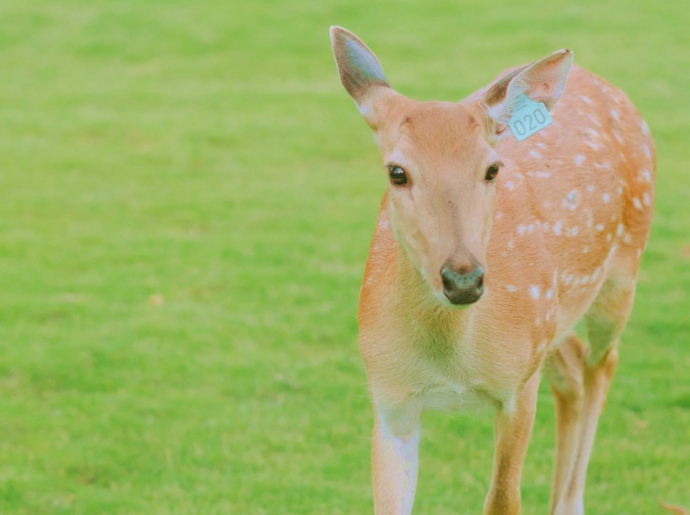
(463, 287)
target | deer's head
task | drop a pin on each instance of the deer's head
(441, 161)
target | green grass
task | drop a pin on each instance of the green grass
(205, 152)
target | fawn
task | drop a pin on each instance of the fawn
(487, 252)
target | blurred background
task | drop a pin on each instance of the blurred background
(187, 197)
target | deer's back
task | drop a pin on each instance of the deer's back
(577, 199)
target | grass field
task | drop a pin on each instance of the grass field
(187, 200)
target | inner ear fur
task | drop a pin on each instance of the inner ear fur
(542, 81)
(497, 92)
(358, 67)
(362, 76)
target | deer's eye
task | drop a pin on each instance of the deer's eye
(396, 175)
(492, 172)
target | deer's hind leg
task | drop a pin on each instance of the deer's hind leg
(580, 379)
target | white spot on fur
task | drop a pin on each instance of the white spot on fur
(498, 215)
(541, 145)
(615, 114)
(571, 200)
(535, 154)
(636, 202)
(510, 244)
(644, 128)
(619, 190)
(585, 249)
(541, 175)
(603, 166)
(384, 224)
(646, 199)
(639, 253)
(606, 197)
(620, 229)
(594, 120)
(510, 185)
(545, 226)
(534, 292)
(600, 227)
(579, 159)
(609, 237)
(574, 231)
(646, 151)
(627, 238)
(549, 294)
(557, 228)
(586, 99)
(521, 229)
(511, 288)
(590, 188)
(530, 228)
(645, 176)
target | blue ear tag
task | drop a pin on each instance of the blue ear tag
(528, 117)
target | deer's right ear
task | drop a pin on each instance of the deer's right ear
(360, 72)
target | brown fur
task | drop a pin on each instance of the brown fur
(560, 235)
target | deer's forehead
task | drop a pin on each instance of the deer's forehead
(439, 117)
(442, 131)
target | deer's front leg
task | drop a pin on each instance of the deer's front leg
(513, 428)
(395, 459)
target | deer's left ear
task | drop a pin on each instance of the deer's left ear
(542, 81)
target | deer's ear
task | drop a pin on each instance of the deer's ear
(542, 81)
(360, 72)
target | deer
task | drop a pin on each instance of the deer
(489, 248)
